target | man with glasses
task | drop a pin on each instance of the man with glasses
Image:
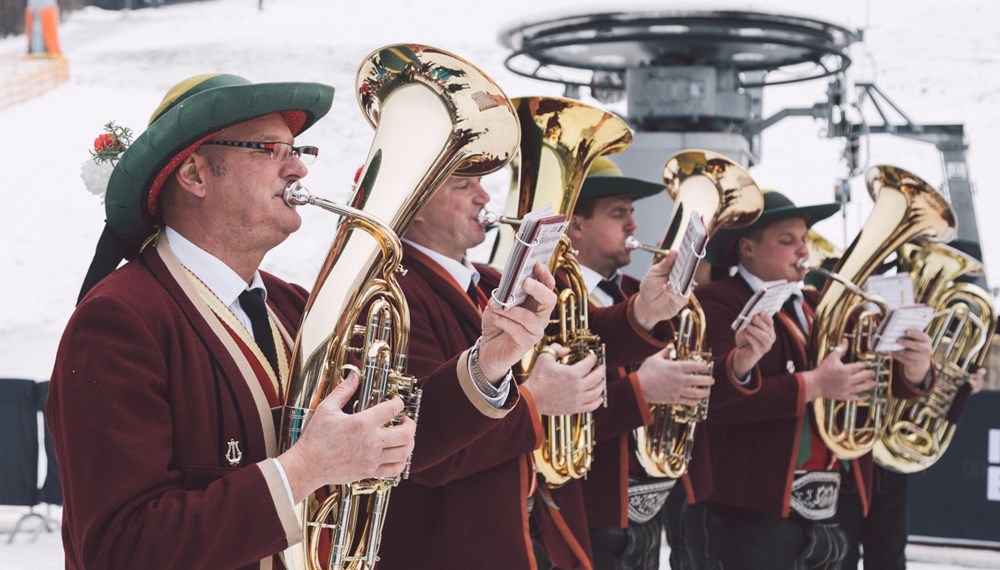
(169, 376)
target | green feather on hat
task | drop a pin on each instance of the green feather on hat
(190, 113)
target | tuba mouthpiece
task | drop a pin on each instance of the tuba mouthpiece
(803, 264)
(487, 218)
(297, 195)
(631, 243)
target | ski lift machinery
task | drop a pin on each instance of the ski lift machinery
(696, 79)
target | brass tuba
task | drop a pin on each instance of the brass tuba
(435, 114)
(560, 138)
(905, 208)
(725, 196)
(921, 429)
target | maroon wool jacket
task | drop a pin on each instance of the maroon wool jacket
(753, 432)
(145, 394)
(601, 499)
(464, 505)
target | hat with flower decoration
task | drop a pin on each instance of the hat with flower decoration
(190, 113)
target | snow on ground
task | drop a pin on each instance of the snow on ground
(938, 60)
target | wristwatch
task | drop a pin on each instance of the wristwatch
(479, 378)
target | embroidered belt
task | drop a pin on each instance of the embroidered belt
(814, 494)
(646, 498)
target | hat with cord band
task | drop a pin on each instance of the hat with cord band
(190, 113)
(605, 179)
(721, 248)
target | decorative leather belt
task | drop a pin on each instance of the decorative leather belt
(814, 494)
(646, 498)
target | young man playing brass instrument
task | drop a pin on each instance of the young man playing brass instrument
(622, 502)
(467, 506)
(775, 482)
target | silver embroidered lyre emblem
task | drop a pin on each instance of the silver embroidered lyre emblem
(790, 366)
(233, 453)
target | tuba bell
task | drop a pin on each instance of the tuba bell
(921, 429)
(560, 138)
(435, 115)
(905, 208)
(725, 196)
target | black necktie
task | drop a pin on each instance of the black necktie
(789, 307)
(252, 301)
(611, 287)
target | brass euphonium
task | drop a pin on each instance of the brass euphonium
(560, 138)
(905, 208)
(725, 196)
(921, 429)
(435, 115)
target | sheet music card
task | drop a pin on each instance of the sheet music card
(536, 241)
(896, 290)
(691, 250)
(897, 322)
(768, 298)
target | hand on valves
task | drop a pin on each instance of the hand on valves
(667, 381)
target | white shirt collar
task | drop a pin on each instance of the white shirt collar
(463, 272)
(756, 283)
(216, 275)
(593, 279)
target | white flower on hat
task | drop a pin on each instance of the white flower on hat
(108, 146)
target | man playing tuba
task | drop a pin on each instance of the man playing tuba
(620, 536)
(466, 506)
(775, 483)
(169, 372)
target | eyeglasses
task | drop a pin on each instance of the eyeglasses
(280, 151)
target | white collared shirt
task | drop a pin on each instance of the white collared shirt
(216, 275)
(227, 286)
(465, 274)
(592, 279)
(756, 283)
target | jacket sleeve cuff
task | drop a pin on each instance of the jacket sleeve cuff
(476, 397)
(276, 487)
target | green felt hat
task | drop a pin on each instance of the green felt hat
(190, 113)
(605, 179)
(721, 249)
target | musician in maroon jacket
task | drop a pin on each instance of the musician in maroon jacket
(775, 483)
(168, 376)
(621, 501)
(469, 508)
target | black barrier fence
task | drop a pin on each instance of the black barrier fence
(957, 501)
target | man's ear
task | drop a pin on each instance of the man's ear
(745, 246)
(575, 226)
(190, 175)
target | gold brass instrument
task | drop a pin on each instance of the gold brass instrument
(560, 138)
(921, 429)
(822, 253)
(725, 196)
(905, 208)
(435, 114)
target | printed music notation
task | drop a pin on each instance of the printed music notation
(768, 298)
(535, 242)
(896, 290)
(690, 252)
(897, 322)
